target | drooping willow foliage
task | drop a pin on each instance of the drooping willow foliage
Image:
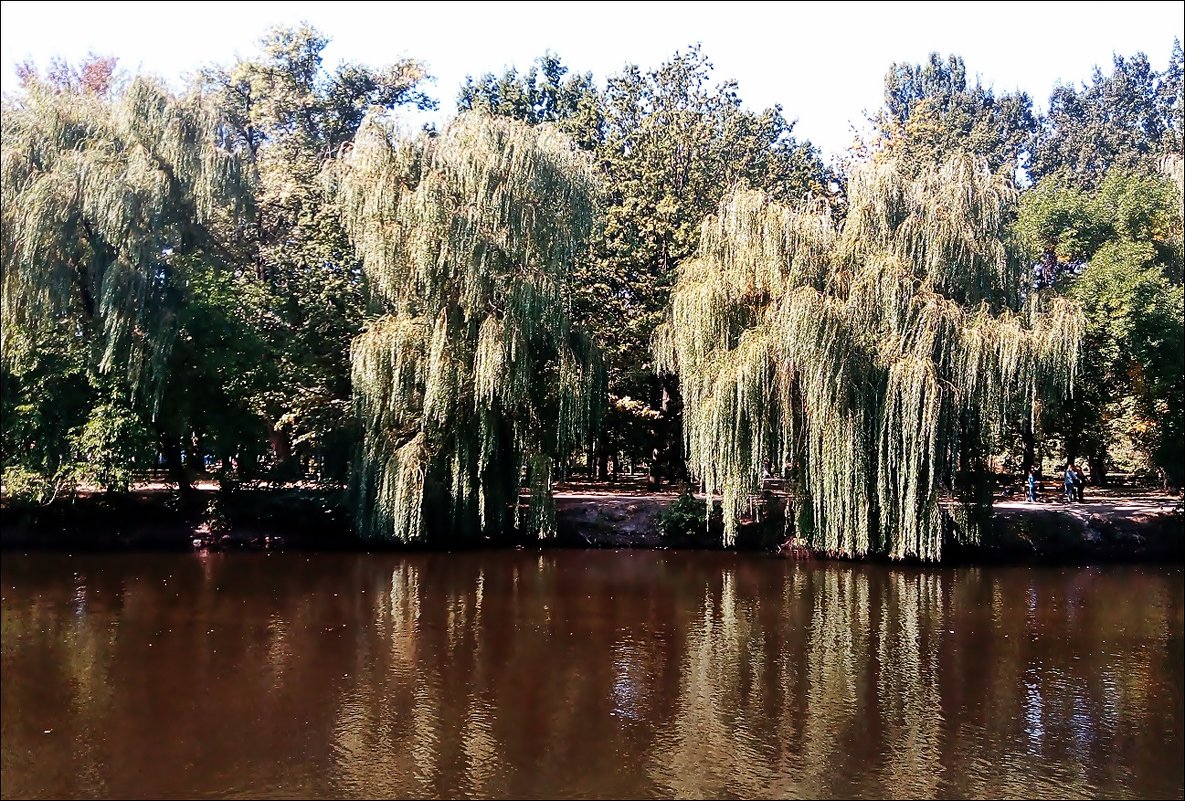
(105, 202)
(876, 357)
(474, 376)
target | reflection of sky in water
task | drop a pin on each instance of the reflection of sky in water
(79, 595)
(1033, 712)
(627, 681)
(1081, 722)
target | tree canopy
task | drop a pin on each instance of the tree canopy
(1117, 251)
(667, 143)
(286, 116)
(931, 112)
(116, 207)
(1129, 119)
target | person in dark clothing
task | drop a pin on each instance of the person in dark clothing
(1032, 485)
(1068, 485)
(1079, 483)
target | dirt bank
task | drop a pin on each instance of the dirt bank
(1112, 526)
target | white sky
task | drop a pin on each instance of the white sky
(824, 62)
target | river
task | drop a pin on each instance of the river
(584, 674)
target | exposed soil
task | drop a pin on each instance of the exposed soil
(1111, 524)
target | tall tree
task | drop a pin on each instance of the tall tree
(474, 373)
(287, 115)
(1128, 120)
(931, 112)
(545, 93)
(1118, 251)
(876, 357)
(673, 145)
(667, 144)
(115, 205)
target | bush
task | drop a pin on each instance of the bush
(110, 444)
(685, 518)
(24, 486)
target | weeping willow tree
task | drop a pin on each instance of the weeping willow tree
(107, 201)
(474, 376)
(877, 357)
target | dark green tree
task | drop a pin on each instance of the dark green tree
(931, 112)
(1117, 251)
(116, 206)
(1128, 120)
(667, 144)
(673, 144)
(546, 92)
(287, 115)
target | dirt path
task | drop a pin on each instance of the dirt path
(1114, 504)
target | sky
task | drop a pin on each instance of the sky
(823, 62)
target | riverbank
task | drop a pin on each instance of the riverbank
(1122, 524)
(1115, 525)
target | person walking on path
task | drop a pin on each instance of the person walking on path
(1032, 485)
(1079, 483)
(1069, 483)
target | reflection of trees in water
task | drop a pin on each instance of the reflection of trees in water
(392, 704)
(1029, 682)
(739, 726)
(918, 683)
(78, 668)
(838, 634)
(525, 675)
(709, 743)
(461, 691)
(910, 631)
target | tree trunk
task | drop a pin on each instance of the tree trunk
(654, 476)
(1076, 442)
(281, 454)
(675, 461)
(1030, 445)
(171, 449)
(227, 480)
(1098, 466)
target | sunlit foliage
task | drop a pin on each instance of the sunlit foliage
(874, 357)
(474, 376)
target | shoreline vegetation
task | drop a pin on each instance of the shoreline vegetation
(1114, 524)
(270, 273)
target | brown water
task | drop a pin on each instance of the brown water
(584, 674)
